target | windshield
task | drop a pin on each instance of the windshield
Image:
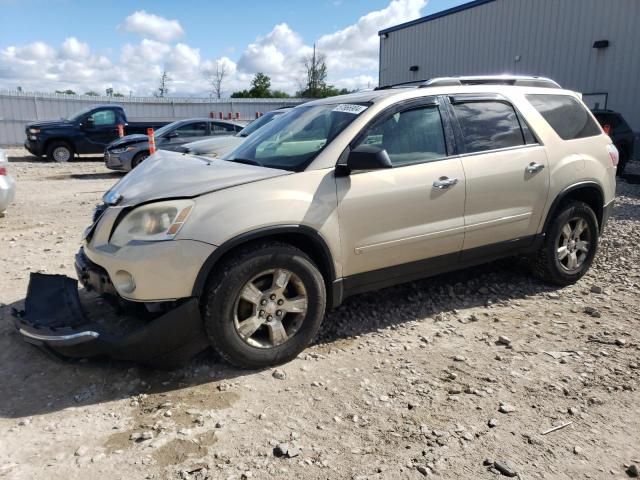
(260, 122)
(167, 128)
(296, 138)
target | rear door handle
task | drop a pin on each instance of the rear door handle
(534, 167)
(444, 182)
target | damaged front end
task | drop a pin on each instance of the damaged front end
(55, 319)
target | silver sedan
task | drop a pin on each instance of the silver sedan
(7, 183)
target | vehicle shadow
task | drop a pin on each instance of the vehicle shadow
(40, 160)
(34, 383)
(87, 176)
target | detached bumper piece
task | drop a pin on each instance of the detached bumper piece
(54, 319)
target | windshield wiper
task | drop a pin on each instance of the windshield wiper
(247, 161)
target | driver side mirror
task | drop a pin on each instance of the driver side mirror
(367, 157)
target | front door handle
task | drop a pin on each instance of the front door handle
(534, 167)
(444, 182)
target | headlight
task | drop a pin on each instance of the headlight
(153, 222)
(34, 130)
(122, 150)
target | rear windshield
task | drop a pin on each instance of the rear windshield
(566, 115)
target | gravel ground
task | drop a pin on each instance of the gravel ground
(458, 376)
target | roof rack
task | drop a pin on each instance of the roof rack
(517, 80)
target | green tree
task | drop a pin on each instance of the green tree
(66, 92)
(91, 93)
(279, 94)
(260, 86)
(315, 84)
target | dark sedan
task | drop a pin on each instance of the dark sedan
(128, 152)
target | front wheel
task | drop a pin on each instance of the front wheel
(59, 152)
(264, 306)
(570, 245)
(138, 159)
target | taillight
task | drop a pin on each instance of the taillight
(613, 154)
(3, 171)
(607, 129)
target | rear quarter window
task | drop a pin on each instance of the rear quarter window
(566, 115)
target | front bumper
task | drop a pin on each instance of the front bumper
(114, 162)
(161, 271)
(54, 319)
(7, 191)
(33, 147)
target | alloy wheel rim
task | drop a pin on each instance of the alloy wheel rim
(270, 308)
(61, 154)
(574, 244)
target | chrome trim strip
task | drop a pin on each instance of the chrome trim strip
(498, 221)
(415, 238)
(73, 337)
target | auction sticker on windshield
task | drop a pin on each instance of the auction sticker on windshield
(350, 108)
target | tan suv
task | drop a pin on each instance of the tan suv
(340, 196)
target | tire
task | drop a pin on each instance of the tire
(227, 311)
(622, 161)
(59, 152)
(139, 158)
(553, 263)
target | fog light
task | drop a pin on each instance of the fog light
(124, 282)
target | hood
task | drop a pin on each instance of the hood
(127, 140)
(214, 147)
(49, 124)
(169, 175)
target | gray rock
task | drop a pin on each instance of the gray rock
(81, 451)
(632, 471)
(597, 289)
(423, 470)
(593, 312)
(502, 340)
(505, 468)
(279, 374)
(286, 450)
(492, 423)
(505, 408)
(577, 450)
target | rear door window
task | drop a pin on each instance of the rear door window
(488, 125)
(198, 129)
(566, 115)
(222, 128)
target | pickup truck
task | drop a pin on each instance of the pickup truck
(88, 131)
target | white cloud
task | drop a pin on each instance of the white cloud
(351, 55)
(150, 25)
(356, 46)
(73, 48)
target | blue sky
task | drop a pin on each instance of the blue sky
(90, 45)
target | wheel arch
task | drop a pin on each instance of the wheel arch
(66, 140)
(589, 192)
(303, 237)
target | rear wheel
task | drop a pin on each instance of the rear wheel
(59, 152)
(569, 245)
(138, 159)
(264, 305)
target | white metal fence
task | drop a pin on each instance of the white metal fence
(19, 108)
